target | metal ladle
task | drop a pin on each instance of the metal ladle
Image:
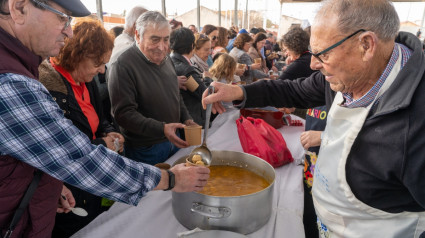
(203, 150)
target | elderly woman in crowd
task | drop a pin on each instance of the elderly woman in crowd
(296, 43)
(69, 79)
(182, 43)
(202, 51)
(240, 53)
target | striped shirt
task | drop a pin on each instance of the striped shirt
(34, 130)
(368, 98)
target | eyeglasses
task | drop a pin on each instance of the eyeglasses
(49, 8)
(333, 46)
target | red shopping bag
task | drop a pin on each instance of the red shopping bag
(262, 140)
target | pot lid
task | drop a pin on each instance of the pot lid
(214, 234)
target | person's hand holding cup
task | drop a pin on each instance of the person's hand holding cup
(182, 82)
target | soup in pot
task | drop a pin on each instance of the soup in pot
(227, 181)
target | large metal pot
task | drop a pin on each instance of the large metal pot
(242, 214)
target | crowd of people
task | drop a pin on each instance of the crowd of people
(86, 113)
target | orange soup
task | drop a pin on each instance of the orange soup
(227, 181)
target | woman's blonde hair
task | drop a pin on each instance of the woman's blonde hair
(224, 67)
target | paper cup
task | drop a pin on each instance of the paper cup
(193, 134)
(191, 84)
(257, 60)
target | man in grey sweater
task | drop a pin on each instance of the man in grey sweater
(145, 96)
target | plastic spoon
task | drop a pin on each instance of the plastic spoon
(79, 211)
(203, 150)
(76, 210)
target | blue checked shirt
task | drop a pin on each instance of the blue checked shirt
(371, 94)
(34, 130)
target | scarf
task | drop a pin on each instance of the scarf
(199, 63)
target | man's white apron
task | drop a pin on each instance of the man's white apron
(335, 204)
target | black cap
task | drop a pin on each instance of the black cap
(76, 7)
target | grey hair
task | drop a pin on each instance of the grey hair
(132, 16)
(378, 16)
(269, 35)
(151, 19)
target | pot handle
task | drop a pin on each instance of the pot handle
(210, 211)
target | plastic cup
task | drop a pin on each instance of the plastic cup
(191, 84)
(193, 134)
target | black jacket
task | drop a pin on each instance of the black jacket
(192, 100)
(299, 68)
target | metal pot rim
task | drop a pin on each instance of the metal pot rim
(183, 158)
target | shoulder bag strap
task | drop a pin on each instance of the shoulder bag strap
(24, 203)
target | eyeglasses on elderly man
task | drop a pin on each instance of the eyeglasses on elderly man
(321, 55)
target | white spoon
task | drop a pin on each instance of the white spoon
(76, 210)
(79, 211)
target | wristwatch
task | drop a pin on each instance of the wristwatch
(171, 180)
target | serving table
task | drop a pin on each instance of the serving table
(153, 217)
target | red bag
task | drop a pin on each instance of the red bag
(262, 140)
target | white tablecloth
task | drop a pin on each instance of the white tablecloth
(153, 217)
